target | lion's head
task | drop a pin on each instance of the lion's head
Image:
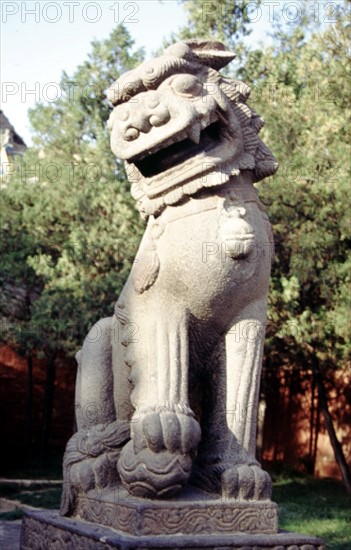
(181, 126)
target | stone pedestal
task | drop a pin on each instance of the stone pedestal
(192, 512)
(44, 530)
(192, 520)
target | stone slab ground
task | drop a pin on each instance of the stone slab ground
(10, 532)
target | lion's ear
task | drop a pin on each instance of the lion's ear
(211, 52)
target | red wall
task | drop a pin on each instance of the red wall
(14, 403)
(286, 427)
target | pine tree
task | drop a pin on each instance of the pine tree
(300, 87)
(69, 224)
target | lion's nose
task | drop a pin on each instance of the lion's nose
(131, 134)
(139, 121)
(142, 117)
(160, 116)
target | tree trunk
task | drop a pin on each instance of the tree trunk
(335, 443)
(316, 432)
(29, 435)
(314, 413)
(48, 404)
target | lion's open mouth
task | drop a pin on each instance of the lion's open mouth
(180, 151)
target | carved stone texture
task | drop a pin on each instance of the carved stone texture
(192, 512)
(49, 530)
(180, 359)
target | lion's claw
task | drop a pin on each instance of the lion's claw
(245, 482)
(166, 430)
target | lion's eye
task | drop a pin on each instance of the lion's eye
(187, 85)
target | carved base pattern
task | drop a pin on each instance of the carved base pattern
(44, 530)
(192, 512)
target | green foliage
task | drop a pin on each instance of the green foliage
(304, 101)
(225, 20)
(69, 223)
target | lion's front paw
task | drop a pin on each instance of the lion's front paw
(245, 482)
(158, 460)
(166, 430)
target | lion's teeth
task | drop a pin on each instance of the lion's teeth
(221, 117)
(194, 133)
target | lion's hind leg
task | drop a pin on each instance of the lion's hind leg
(91, 455)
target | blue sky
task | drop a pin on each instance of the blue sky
(37, 47)
(41, 39)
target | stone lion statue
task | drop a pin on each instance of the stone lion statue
(167, 389)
